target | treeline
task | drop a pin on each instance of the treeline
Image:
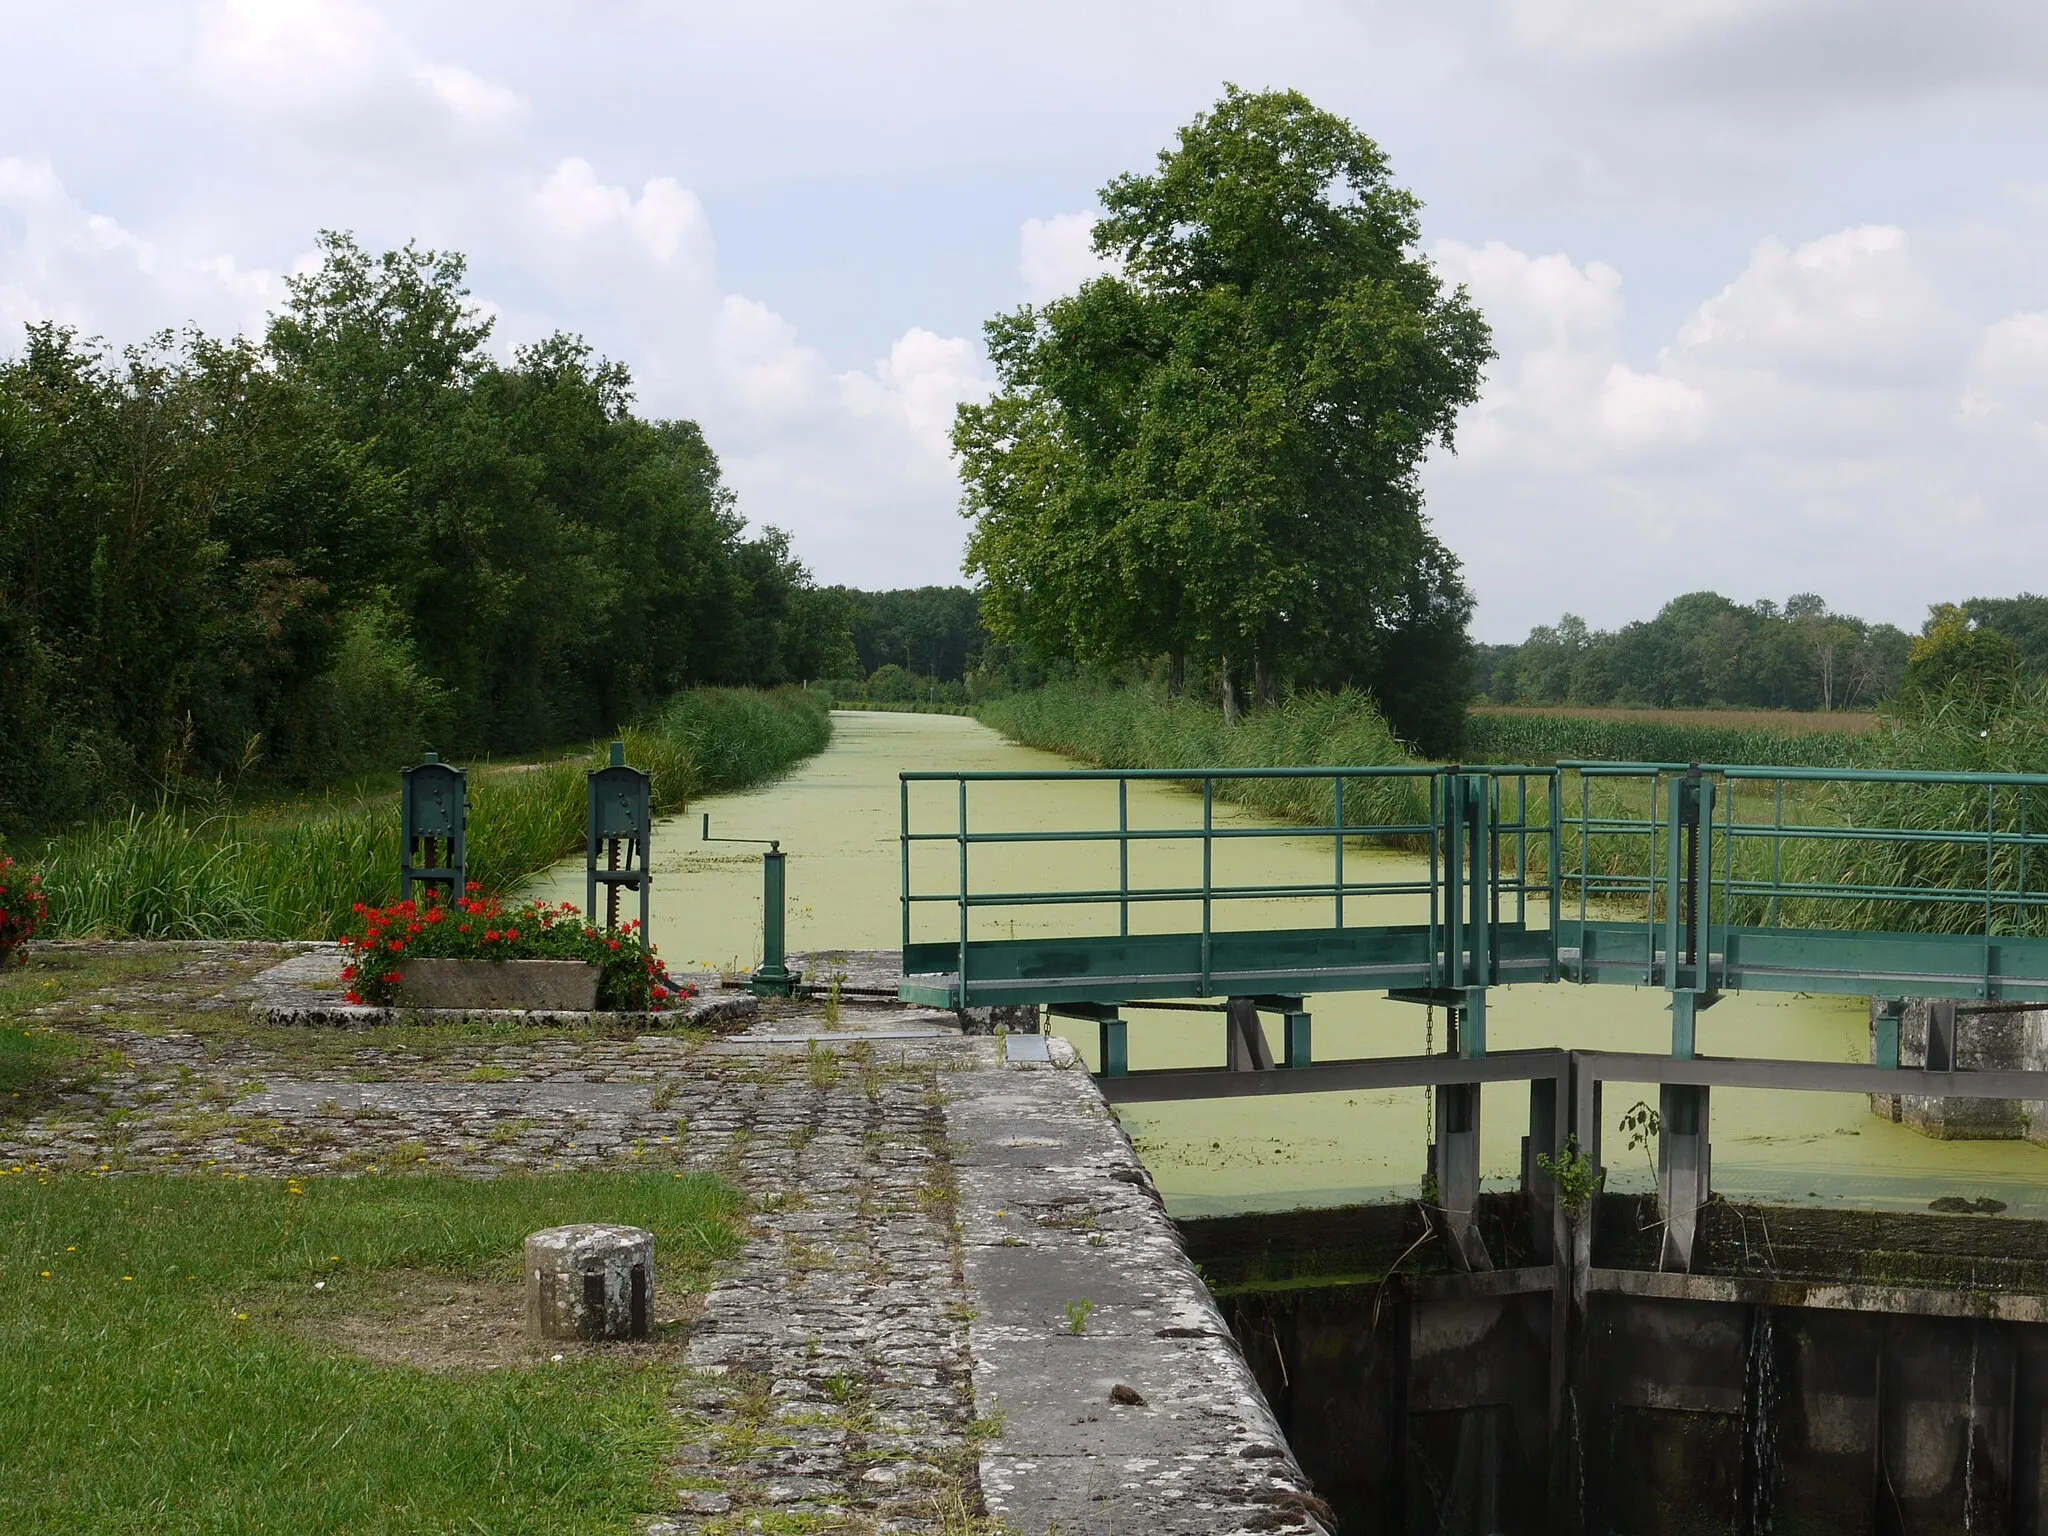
(1703, 651)
(361, 535)
(929, 632)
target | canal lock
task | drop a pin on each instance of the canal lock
(1819, 1371)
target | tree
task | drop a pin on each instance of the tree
(1214, 451)
(1955, 655)
(2023, 620)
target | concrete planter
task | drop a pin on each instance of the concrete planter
(559, 986)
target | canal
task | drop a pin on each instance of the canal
(837, 818)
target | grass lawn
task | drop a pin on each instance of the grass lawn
(192, 1355)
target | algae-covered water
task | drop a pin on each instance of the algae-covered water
(838, 815)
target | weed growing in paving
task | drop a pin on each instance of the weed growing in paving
(161, 1363)
(34, 1064)
(1078, 1313)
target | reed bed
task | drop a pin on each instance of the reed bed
(1141, 728)
(1137, 728)
(171, 873)
(1627, 736)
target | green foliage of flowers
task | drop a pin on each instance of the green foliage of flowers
(1577, 1179)
(482, 928)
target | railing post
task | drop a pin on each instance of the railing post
(1123, 858)
(1338, 801)
(963, 891)
(1454, 880)
(1208, 851)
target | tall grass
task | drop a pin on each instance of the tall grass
(1141, 728)
(1957, 732)
(168, 873)
(1751, 736)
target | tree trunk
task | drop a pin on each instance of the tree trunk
(1233, 709)
(1265, 684)
(1176, 674)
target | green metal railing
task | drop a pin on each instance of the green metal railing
(1995, 819)
(1490, 836)
(1716, 859)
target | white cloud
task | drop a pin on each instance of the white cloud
(924, 378)
(339, 71)
(2008, 379)
(84, 269)
(1058, 255)
(1851, 307)
(1559, 397)
(855, 463)
(587, 233)
(1831, 416)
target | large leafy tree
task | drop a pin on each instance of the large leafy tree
(1214, 451)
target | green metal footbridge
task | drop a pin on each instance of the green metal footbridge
(1697, 879)
(1088, 892)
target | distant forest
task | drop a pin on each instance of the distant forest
(1704, 650)
(930, 632)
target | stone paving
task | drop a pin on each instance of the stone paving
(831, 1376)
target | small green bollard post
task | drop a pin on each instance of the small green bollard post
(1114, 1039)
(773, 977)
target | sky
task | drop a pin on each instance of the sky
(1768, 278)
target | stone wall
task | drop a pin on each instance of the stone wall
(1989, 1037)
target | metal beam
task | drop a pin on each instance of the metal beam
(1592, 1066)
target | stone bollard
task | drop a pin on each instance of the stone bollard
(589, 1282)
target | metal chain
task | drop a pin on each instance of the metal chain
(1429, 1094)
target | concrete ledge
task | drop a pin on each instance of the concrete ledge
(1144, 1417)
(1492, 1282)
(1825, 1295)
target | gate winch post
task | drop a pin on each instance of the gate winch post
(618, 834)
(1688, 912)
(433, 802)
(772, 977)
